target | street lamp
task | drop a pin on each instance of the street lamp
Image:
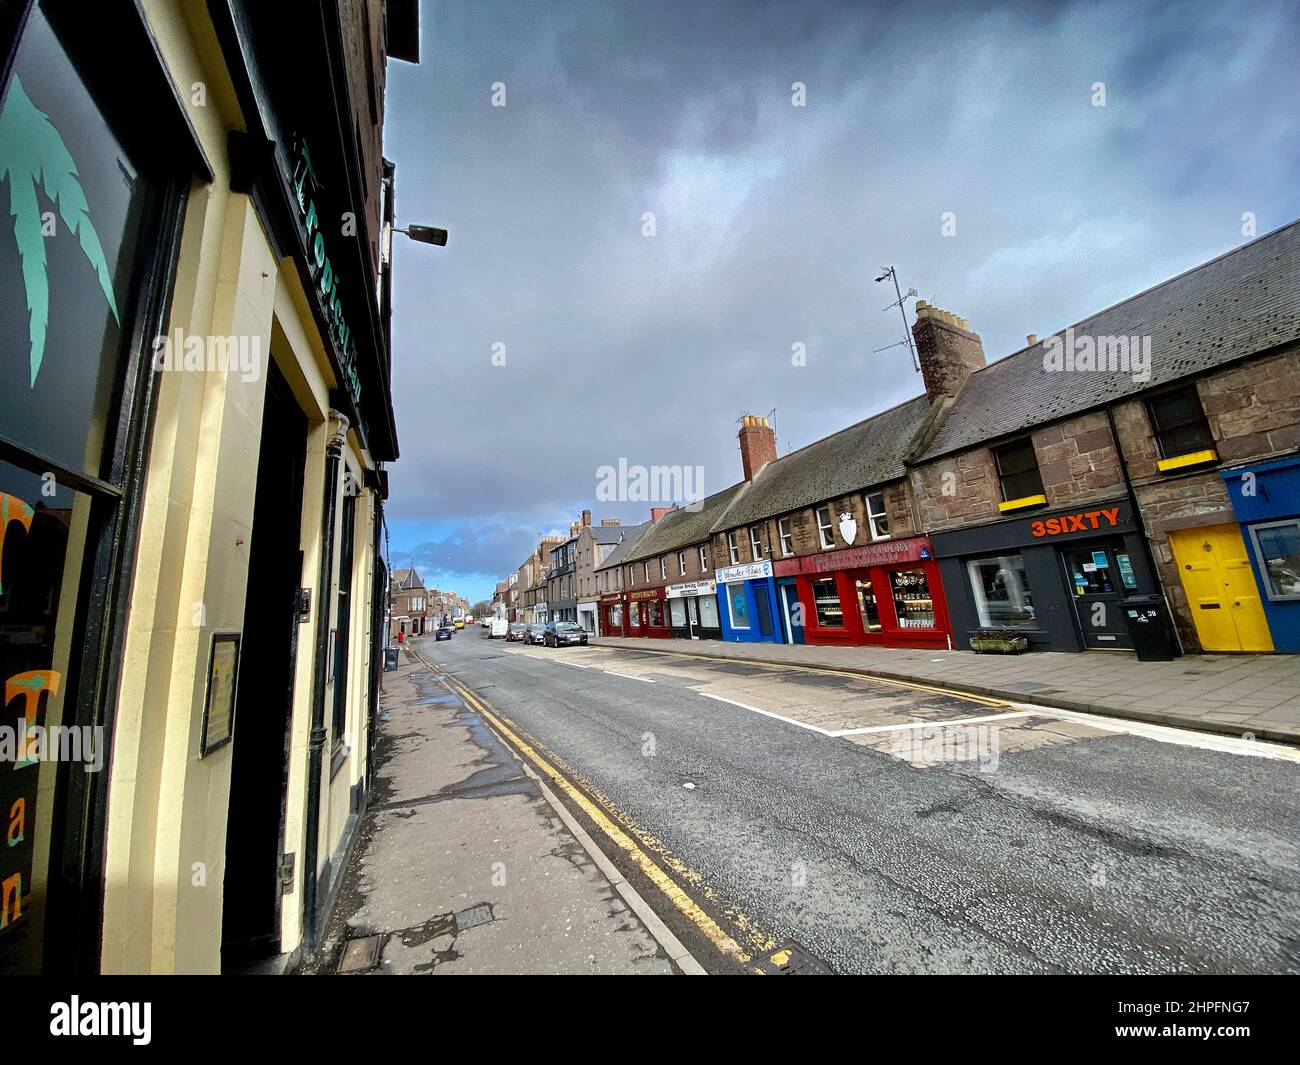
(424, 234)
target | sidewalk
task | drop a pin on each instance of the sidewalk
(1232, 694)
(462, 865)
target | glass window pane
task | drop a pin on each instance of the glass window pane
(1279, 551)
(1001, 591)
(42, 540)
(709, 611)
(75, 208)
(826, 600)
(867, 606)
(912, 602)
(1090, 572)
(738, 606)
(677, 608)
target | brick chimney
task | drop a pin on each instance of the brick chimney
(610, 523)
(946, 348)
(757, 445)
(658, 512)
(586, 517)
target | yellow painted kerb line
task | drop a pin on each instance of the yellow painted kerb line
(665, 883)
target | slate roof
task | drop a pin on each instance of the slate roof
(685, 526)
(631, 537)
(1241, 303)
(407, 579)
(868, 453)
(607, 534)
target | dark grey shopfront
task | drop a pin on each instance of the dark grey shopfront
(1056, 577)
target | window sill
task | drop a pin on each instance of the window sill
(1182, 462)
(1023, 503)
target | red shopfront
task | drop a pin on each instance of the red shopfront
(887, 593)
(647, 613)
(613, 615)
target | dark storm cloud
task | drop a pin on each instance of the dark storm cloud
(772, 220)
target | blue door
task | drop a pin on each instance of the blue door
(791, 611)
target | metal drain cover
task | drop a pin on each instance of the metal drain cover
(360, 955)
(474, 916)
(790, 959)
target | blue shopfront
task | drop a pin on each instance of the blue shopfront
(1266, 501)
(747, 604)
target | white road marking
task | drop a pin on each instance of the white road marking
(561, 662)
(1208, 741)
(627, 676)
(930, 724)
(768, 713)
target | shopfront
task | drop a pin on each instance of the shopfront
(693, 610)
(647, 613)
(1057, 578)
(1266, 501)
(888, 593)
(747, 604)
(613, 614)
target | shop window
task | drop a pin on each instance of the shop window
(825, 531)
(756, 542)
(681, 563)
(1178, 422)
(787, 541)
(1002, 595)
(826, 600)
(708, 612)
(634, 615)
(656, 614)
(732, 552)
(912, 602)
(616, 616)
(704, 560)
(877, 516)
(737, 605)
(868, 608)
(677, 609)
(1277, 549)
(1018, 469)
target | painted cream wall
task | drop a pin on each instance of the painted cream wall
(167, 809)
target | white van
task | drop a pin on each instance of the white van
(500, 627)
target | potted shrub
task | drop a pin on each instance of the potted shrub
(998, 642)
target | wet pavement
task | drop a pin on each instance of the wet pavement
(463, 866)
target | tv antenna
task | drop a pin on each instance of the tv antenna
(890, 272)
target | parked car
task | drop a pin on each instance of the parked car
(443, 633)
(535, 634)
(516, 632)
(564, 634)
(500, 628)
(460, 623)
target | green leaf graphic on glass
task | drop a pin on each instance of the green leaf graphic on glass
(33, 154)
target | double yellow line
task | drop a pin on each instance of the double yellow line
(669, 887)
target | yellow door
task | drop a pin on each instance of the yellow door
(1221, 589)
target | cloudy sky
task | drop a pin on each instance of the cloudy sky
(770, 221)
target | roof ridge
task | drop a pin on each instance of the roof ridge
(1138, 295)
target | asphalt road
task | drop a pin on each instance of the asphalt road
(1071, 850)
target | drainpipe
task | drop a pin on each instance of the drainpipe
(1140, 522)
(316, 743)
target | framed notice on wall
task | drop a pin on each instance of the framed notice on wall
(219, 704)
